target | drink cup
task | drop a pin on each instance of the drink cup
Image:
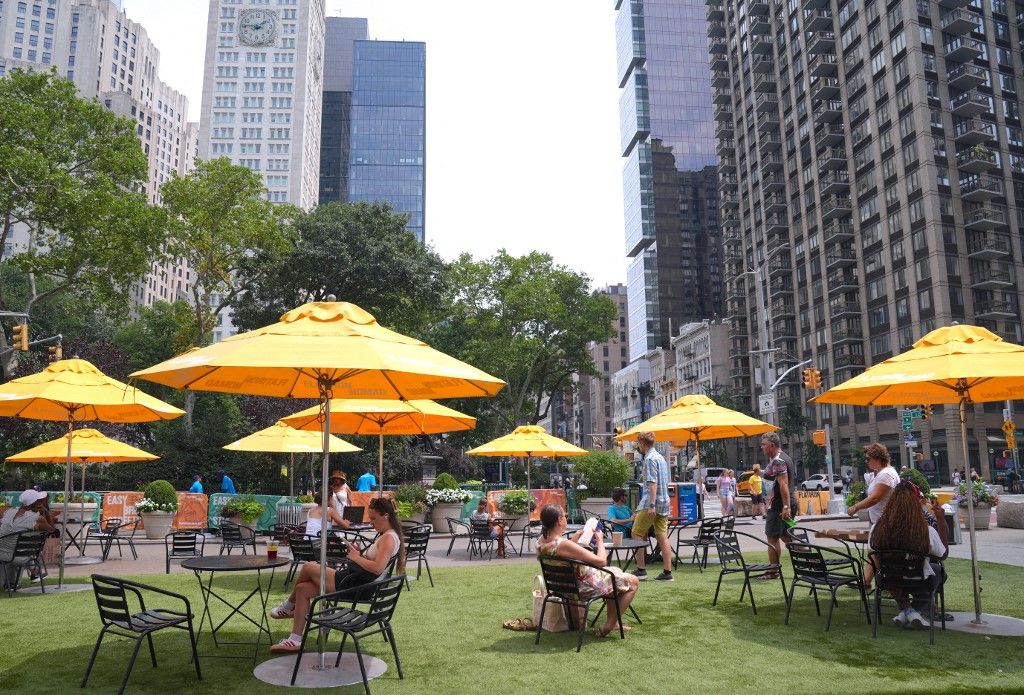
(616, 537)
(272, 551)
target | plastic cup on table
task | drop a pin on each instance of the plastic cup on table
(616, 537)
(272, 550)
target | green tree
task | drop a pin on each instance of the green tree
(527, 320)
(162, 331)
(71, 174)
(219, 217)
(359, 252)
(792, 421)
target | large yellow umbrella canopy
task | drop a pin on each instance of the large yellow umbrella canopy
(698, 417)
(279, 438)
(380, 417)
(87, 446)
(74, 390)
(955, 364)
(528, 441)
(324, 350)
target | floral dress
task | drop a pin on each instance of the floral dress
(593, 582)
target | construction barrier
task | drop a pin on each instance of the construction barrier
(542, 498)
(191, 514)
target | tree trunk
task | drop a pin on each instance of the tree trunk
(190, 404)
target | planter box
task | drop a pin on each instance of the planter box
(419, 518)
(982, 517)
(596, 506)
(442, 511)
(157, 524)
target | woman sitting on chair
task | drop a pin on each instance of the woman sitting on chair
(315, 522)
(361, 567)
(592, 581)
(904, 526)
(497, 530)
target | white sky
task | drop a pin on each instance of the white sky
(522, 118)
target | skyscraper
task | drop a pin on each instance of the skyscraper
(373, 140)
(669, 178)
(109, 57)
(873, 158)
(262, 92)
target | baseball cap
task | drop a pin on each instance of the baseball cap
(30, 497)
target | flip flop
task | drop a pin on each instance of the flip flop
(285, 646)
(519, 625)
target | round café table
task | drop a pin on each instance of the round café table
(236, 563)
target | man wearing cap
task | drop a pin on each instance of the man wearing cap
(31, 515)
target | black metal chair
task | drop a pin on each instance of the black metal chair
(124, 531)
(731, 559)
(810, 569)
(480, 539)
(416, 540)
(703, 541)
(304, 549)
(236, 536)
(901, 572)
(281, 532)
(26, 554)
(530, 532)
(563, 588)
(102, 533)
(182, 544)
(325, 612)
(456, 529)
(119, 620)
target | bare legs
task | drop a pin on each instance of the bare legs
(617, 607)
(307, 586)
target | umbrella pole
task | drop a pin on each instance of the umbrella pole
(969, 484)
(380, 464)
(324, 519)
(67, 495)
(81, 505)
(291, 475)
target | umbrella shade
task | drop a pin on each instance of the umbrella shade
(75, 389)
(282, 439)
(528, 440)
(698, 417)
(944, 366)
(87, 446)
(359, 416)
(336, 343)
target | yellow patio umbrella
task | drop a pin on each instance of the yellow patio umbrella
(697, 417)
(279, 438)
(528, 441)
(87, 446)
(324, 350)
(380, 417)
(957, 364)
(75, 391)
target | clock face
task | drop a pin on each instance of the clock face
(257, 27)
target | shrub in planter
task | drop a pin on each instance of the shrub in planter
(159, 496)
(858, 491)
(602, 472)
(918, 478)
(305, 499)
(517, 503)
(981, 495)
(446, 481)
(447, 495)
(76, 498)
(412, 498)
(244, 507)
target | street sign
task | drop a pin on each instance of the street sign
(907, 426)
(911, 413)
(910, 443)
(1009, 426)
(766, 403)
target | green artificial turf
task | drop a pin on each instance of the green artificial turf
(450, 640)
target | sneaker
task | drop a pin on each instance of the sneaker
(640, 574)
(664, 577)
(901, 618)
(915, 619)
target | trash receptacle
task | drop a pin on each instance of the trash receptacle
(953, 527)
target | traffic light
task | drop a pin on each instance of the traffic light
(56, 352)
(19, 336)
(926, 411)
(812, 378)
(818, 437)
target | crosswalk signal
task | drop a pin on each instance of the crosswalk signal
(19, 336)
(56, 352)
(926, 411)
(812, 378)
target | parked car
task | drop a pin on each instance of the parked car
(819, 481)
(743, 483)
(711, 477)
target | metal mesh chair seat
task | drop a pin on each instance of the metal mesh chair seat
(27, 554)
(731, 559)
(811, 570)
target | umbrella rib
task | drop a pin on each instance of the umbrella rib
(188, 385)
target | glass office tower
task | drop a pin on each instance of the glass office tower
(339, 46)
(668, 141)
(387, 145)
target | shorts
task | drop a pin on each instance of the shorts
(757, 499)
(645, 520)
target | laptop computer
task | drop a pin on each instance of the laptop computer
(353, 515)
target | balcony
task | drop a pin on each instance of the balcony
(758, 8)
(775, 224)
(771, 163)
(760, 25)
(810, 5)
(782, 308)
(832, 158)
(829, 134)
(780, 286)
(768, 122)
(970, 103)
(775, 203)
(990, 278)
(846, 333)
(823, 64)
(821, 42)
(714, 13)
(843, 280)
(762, 63)
(720, 79)
(727, 183)
(716, 29)
(959, 21)
(769, 143)
(729, 201)
(818, 20)
(988, 247)
(735, 309)
(980, 187)
(783, 329)
(954, 3)
(824, 88)
(851, 361)
(767, 102)
(723, 95)
(837, 232)
(719, 62)
(780, 265)
(840, 258)
(995, 310)
(724, 129)
(764, 82)
(761, 43)
(841, 308)
(836, 206)
(964, 49)
(834, 182)
(723, 113)
(828, 111)
(966, 76)
(775, 182)
(726, 147)
(974, 131)
(976, 159)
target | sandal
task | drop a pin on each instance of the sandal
(281, 612)
(615, 628)
(519, 625)
(285, 646)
